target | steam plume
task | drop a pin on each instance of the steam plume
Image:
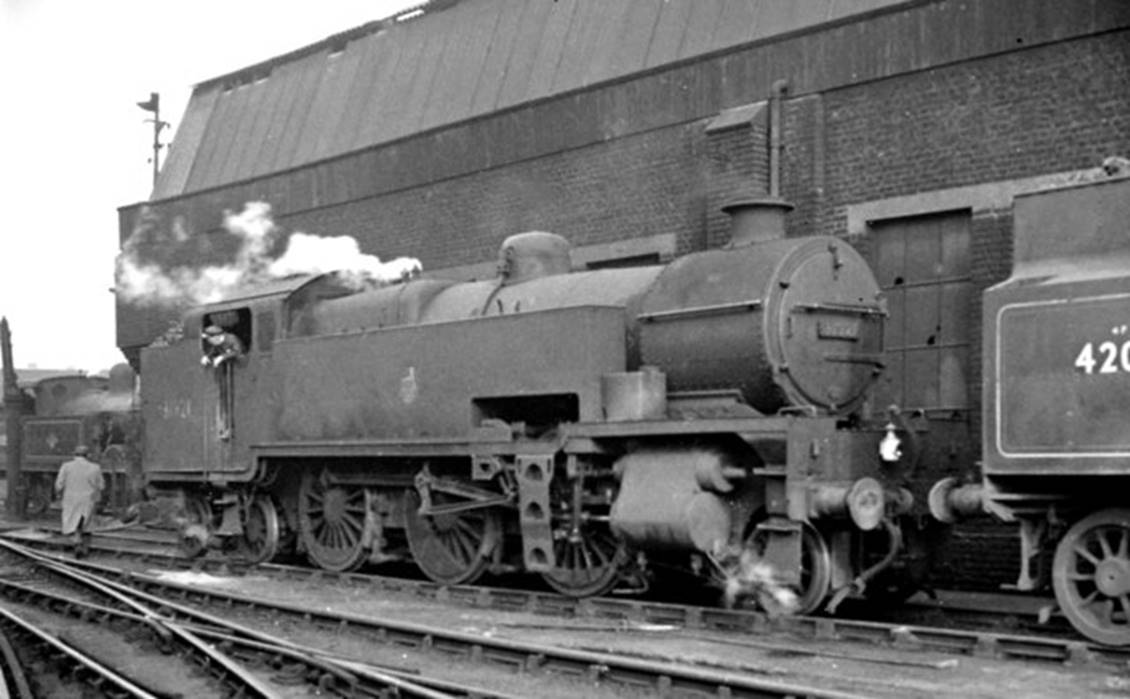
(255, 237)
(745, 578)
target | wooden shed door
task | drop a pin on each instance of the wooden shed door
(924, 269)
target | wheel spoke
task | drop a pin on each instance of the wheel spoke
(1104, 544)
(346, 536)
(353, 525)
(464, 549)
(1085, 554)
(587, 555)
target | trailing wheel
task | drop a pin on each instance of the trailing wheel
(455, 548)
(815, 566)
(331, 521)
(261, 530)
(1091, 576)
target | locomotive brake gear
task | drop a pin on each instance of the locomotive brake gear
(859, 584)
(474, 498)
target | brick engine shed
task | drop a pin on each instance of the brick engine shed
(906, 127)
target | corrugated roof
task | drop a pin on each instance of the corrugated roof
(460, 59)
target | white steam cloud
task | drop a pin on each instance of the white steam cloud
(745, 579)
(255, 236)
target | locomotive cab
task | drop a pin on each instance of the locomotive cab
(200, 414)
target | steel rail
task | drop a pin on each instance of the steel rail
(983, 644)
(165, 627)
(222, 667)
(83, 663)
(333, 668)
(340, 676)
(15, 681)
(665, 677)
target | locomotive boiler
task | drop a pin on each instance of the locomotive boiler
(586, 426)
(1056, 404)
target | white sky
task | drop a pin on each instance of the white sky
(74, 146)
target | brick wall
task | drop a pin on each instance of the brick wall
(1042, 110)
(638, 186)
(1047, 109)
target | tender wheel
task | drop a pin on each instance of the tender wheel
(451, 549)
(588, 562)
(331, 522)
(1091, 576)
(815, 567)
(261, 530)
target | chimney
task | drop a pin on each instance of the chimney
(756, 220)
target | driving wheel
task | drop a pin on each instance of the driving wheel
(588, 561)
(331, 522)
(1091, 576)
(451, 549)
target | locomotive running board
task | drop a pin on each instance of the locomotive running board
(401, 448)
(755, 427)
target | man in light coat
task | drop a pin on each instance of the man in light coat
(80, 483)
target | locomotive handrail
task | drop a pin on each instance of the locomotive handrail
(872, 359)
(846, 308)
(697, 311)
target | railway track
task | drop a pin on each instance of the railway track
(981, 641)
(234, 661)
(329, 672)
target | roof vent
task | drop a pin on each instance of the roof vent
(532, 255)
(756, 220)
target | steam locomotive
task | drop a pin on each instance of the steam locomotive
(589, 427)
(1056, 404)
(97, 411)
